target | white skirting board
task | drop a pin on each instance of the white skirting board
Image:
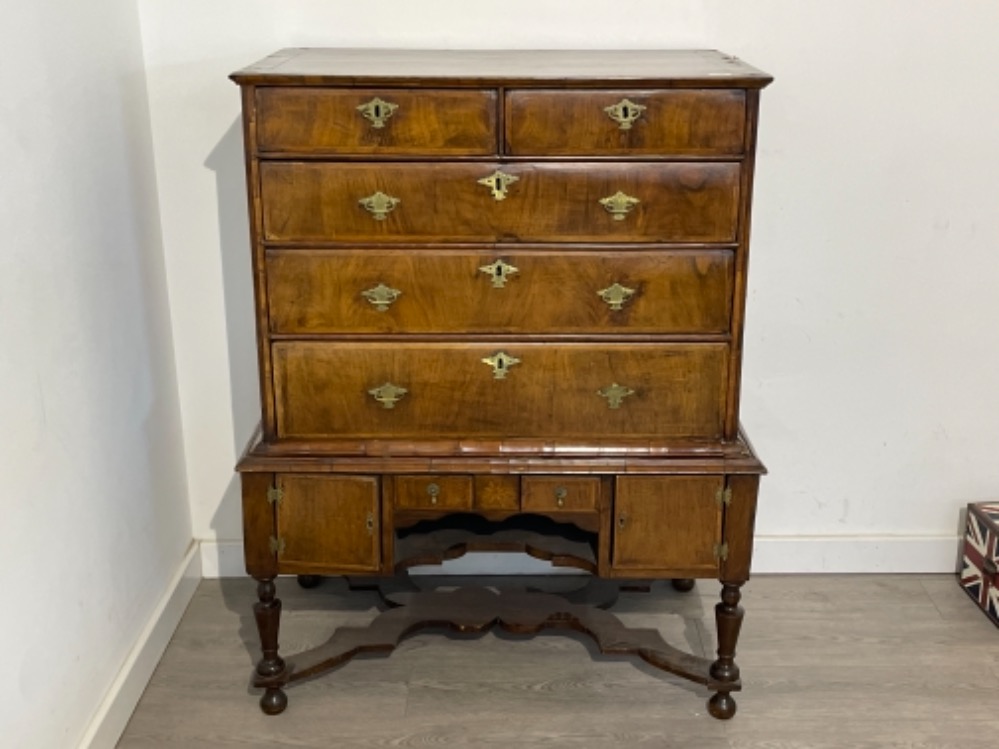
(772, 555)
(123, 695)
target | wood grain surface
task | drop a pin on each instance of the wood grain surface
(323, 389)
(445, 291)
(679, 202)
(672, 123)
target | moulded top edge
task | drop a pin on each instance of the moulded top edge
(332, 66)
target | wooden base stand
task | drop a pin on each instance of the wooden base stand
(476, 610)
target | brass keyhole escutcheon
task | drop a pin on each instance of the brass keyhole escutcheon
(498, 272)
(560, 495)
(619, 205)
(434, 491)
(501, 363)
(370, 523)
(616, 295)
(624, 113)
(621, 521)
(377, 111)
(379, 205)
(497, 182)
(388, 394)
(615, 394)
(381, 296)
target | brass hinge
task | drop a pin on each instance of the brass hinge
(723, 497)
(274, 495)
(277, 546)
(721, 552)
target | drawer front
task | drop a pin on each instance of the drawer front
(679, 122)
(496, 291)
(300, 120)
(328, 523)
(676, 202)
(407, 390)
(560, 494)
(433, 492)
(667, 523)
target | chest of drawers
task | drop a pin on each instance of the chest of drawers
(499, 302)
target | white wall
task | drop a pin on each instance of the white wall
(871, 353)
(95, 520)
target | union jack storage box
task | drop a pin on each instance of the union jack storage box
(979, 576)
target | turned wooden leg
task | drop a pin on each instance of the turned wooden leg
(728, 619)
(267, 611)
(683, 584)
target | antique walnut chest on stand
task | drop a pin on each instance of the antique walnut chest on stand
(499, 302)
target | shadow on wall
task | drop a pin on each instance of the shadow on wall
(226, 160)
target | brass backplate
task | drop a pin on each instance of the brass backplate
(379, 205)
(624, 113)
(381, 296)
(615, 394)
(377, 111)
(497, 182)
(616, 295)
(501, 363)
(388, 394)
(619, 205)
(498, 272)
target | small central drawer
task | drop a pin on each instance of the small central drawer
(433, 492)
(439, 122)
(680, 122)
(560, 494)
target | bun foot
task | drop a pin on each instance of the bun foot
(683, 584)
(309, 581)
(722, 705)
(274, 701)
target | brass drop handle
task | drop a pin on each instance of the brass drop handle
(377, 111)
(616, 295)
(622, 519)
(388, 394)
(624, 113)
(370, 523)
(619, 204)
(498, 272)
(560, 495)
(379, 205)
(381, 296)
(615, 394)
(434, 491)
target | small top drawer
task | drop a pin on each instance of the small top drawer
(433, 492)
(560, 494)
(303, 120)
(676, 122)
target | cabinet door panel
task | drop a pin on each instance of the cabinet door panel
(328, 523)
(667, 523)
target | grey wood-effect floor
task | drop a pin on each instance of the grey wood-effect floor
(827, 661)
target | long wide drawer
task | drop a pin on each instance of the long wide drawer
(392, 202)
(675, 122)
(404, 390)
(438, 122)
(491, 291)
